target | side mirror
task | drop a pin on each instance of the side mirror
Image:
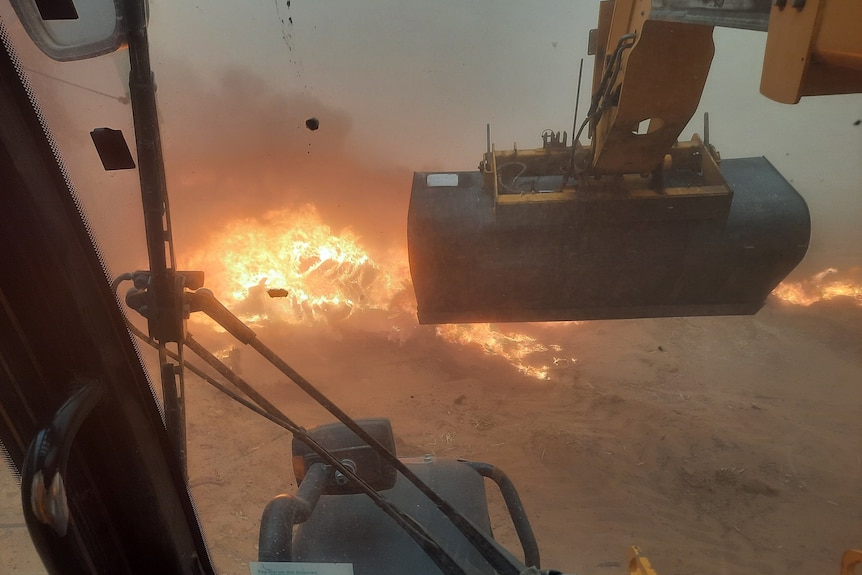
(353, 452)
(65, 30)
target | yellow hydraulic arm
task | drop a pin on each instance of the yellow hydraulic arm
(653, 57)
(647, 82)
(813, 48)
(851, 558)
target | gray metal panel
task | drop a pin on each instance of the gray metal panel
(576, 262)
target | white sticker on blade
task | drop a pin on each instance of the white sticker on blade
(278, 568)
(441, 180)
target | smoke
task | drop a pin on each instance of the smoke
(240, 148)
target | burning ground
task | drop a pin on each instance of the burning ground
(716, 444)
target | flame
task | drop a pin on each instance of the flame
(324, 277)
(515, 347)
(822, 286)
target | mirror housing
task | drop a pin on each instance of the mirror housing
(67, 31)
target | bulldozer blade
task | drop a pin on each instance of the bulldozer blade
(571, 261)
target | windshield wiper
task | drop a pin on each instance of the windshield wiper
(263, 407)
(162, 297)
(203, 300)
(495, 554)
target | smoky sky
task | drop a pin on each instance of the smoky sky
(413, 94)
(240, 148)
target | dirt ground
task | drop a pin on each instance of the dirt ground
(717, 445)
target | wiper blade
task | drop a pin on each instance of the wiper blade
(264, 408)
(419, 534)
(495, 554)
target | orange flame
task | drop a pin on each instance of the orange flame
(823, 286)
(323, 276)
(326, 277)
(515, 347)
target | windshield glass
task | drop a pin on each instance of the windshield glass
(291, 132)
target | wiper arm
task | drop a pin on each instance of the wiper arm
(264, 408)
(496, 555)
(440, 556)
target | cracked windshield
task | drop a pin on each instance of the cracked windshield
(592, 271)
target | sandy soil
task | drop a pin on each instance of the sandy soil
(717, 445)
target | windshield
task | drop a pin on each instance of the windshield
(291, 131)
